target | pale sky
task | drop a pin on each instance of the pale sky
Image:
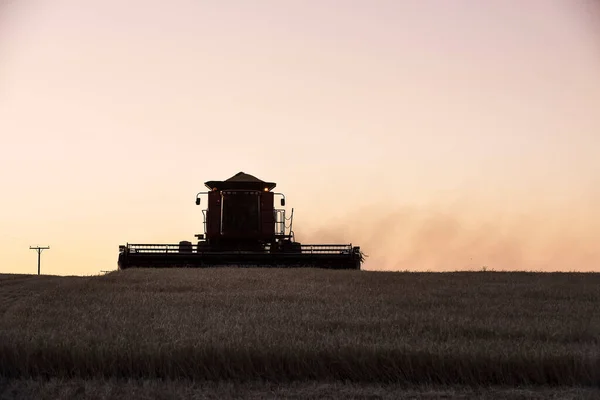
(436, 135)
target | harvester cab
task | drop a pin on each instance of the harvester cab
(242, 227)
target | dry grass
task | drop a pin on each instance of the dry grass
(370, 328)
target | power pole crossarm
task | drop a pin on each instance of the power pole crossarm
(39, 250)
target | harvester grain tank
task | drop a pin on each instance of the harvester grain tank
(242, 227)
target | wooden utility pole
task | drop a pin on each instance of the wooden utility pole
(39, 251)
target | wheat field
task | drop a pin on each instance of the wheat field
(318, 332)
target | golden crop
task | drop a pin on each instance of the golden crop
(467, 328)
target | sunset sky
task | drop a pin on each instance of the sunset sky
(437, 135)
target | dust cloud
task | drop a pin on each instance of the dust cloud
(455, 238)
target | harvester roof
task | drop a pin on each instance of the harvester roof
(241, 180)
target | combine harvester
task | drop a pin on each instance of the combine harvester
(242, 228)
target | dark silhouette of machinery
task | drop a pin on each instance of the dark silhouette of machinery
(242, 228)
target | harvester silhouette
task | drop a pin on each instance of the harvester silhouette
(242, 228)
